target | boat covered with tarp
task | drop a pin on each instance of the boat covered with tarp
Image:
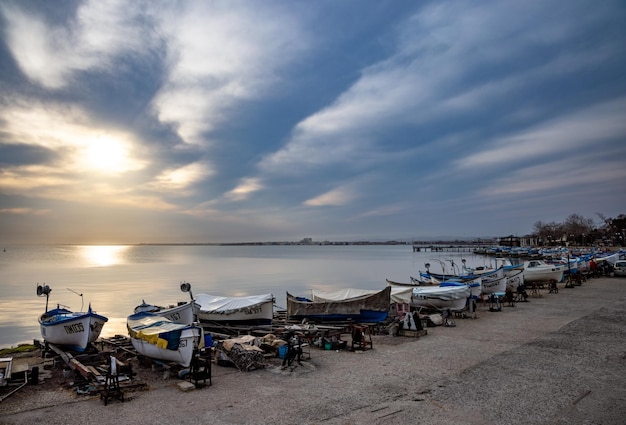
(248, 310)
(362, 305)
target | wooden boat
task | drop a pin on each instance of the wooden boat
(350, 304)
(514, 280)
(441, 297)
(250, 310)
(475, 284)
(540, 271)
(494, 281)
(183, 312)
(412, 283)
(158, 338)
(71, 330)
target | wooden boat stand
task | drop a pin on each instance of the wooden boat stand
(112, 388)
(361, 337)
(200, 368)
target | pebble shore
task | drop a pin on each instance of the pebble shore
(557, 359)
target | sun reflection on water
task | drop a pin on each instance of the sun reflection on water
(104, 255)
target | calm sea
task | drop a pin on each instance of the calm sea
(114, 279)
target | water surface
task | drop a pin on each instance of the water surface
(114, 279)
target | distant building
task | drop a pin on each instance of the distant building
(509, 241)
(307, 241)
(517, 241)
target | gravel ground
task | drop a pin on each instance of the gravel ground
(557, 359)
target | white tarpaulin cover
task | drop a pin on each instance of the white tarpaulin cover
(342, 294)
(150, 324)
(442, 292)
(610, 258)
(228, 305)
(401, 294)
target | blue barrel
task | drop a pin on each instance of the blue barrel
(282, 351)
(208, 340)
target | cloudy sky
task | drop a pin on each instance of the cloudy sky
(229, 121)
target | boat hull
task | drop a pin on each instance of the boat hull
(515, 280)
(441, 298)
(255, 310)
(539, 271)
(543, 276)
(183, 313)
(74, 331)
(373, 308)
(182, 355)
(158, 338)
(438, 304)
(494, 282)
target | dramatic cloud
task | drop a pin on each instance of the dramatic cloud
(237, 121)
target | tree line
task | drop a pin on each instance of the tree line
(579, 230)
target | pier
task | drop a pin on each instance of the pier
(449, 248)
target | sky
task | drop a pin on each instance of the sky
(237, 121)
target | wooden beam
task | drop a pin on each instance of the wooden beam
(71, 361)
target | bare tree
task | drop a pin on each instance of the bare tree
(548, 233)
(578, 228)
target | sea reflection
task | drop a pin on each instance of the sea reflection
(104, 255)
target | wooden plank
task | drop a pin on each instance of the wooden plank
(414, 334)
(94, 371)
(71, 361)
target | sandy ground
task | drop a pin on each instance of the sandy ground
(558, 359)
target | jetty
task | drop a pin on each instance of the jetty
(470, 248)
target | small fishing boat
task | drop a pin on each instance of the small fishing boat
(514, 279)
(540, 271)
(475, 284)
(184, 312)
(493, 281)
(68, 329)
(250, 310)
(360, 305)
(158, 338)
(412, 283)
(452, 297)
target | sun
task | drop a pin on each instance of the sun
(105, 154)
(108, 155)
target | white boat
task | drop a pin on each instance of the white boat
(510, 269)
(612, 258)
(494, 281)
(68, 329)
(412, 283)
(513, 281)
(158, 338)
(539, 271)
(475, 284)
(250, 310)
(183, 312)
(440, 297)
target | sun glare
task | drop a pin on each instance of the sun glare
(107, 155)
(103, 256)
